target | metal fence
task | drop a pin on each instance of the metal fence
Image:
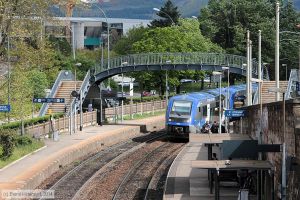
(61, 124)
(134, 108)
(90, 118)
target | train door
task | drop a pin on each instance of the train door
(198, 115)
(204, 115)
(208, 113)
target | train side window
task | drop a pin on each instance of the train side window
(205, 111)
(198, 114)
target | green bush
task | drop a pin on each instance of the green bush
(7, 142)
(22, 140)
(29, 122)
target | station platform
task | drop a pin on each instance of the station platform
(185, 182)
(31, 170)
(188, 176)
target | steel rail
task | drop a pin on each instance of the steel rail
(74, 170)
(77, 195)
(166, 162)
(135, 167)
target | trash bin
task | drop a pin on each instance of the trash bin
(243, 194)
(56, 135)
(90, 107)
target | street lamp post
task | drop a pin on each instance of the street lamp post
(259, 55)
(220, 98)
(159, 10)
(167, 95)
(247, 68)
(283, 169)
(100, 111)
(250, 74)
(167, 85)
(73, 41)
(122, 102)
(8, 71)
(227, 95)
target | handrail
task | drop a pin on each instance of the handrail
(83, 88)
(63, 75)
(180, 58)
(294, 77)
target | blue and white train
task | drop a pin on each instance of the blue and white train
(187, 113)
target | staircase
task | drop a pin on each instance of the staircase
(64, 91)
(268, 97)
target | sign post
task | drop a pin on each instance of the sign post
(235, 113)
(48, 100)
(4, 108)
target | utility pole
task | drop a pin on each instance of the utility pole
(259, 55)
(250, 74)
(277, 51)
(248, 68)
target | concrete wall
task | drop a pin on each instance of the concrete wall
(79, 35)
(272, 133)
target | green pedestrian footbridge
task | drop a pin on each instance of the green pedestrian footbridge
(153, 62)
(174, 61)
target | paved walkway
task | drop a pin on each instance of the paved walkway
(17, 173)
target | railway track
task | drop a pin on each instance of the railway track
(155, 187)
(67, 186)
(133, 175)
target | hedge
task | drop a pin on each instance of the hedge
(144, 99)
(29, 122)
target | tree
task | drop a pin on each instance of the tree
(16, 19)
(226, 21)
(169, 10)
(38, 81)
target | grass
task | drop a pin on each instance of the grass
(145, 115)
(21, 151)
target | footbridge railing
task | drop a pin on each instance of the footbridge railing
(193, 58)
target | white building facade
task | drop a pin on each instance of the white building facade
(91, 32)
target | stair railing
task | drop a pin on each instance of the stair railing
(291, 87)
(63, 75)
(256, 95)
(84, 88)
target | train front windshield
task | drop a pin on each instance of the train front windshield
(181, 108)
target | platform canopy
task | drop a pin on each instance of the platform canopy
(217, 138)
(234, 164)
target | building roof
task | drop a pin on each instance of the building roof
(98, 19)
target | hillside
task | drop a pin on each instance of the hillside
(141, 9)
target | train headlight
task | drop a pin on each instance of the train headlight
(170, 119)
(187, 120)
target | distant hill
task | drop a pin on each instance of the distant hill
(140, 9)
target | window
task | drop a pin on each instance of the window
(181, 108)
(204, 111)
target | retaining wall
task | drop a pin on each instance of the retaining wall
(272, 133)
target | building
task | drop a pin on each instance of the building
(91, 32)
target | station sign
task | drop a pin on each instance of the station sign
(235, 113)
(4, 108)
(48, 100)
